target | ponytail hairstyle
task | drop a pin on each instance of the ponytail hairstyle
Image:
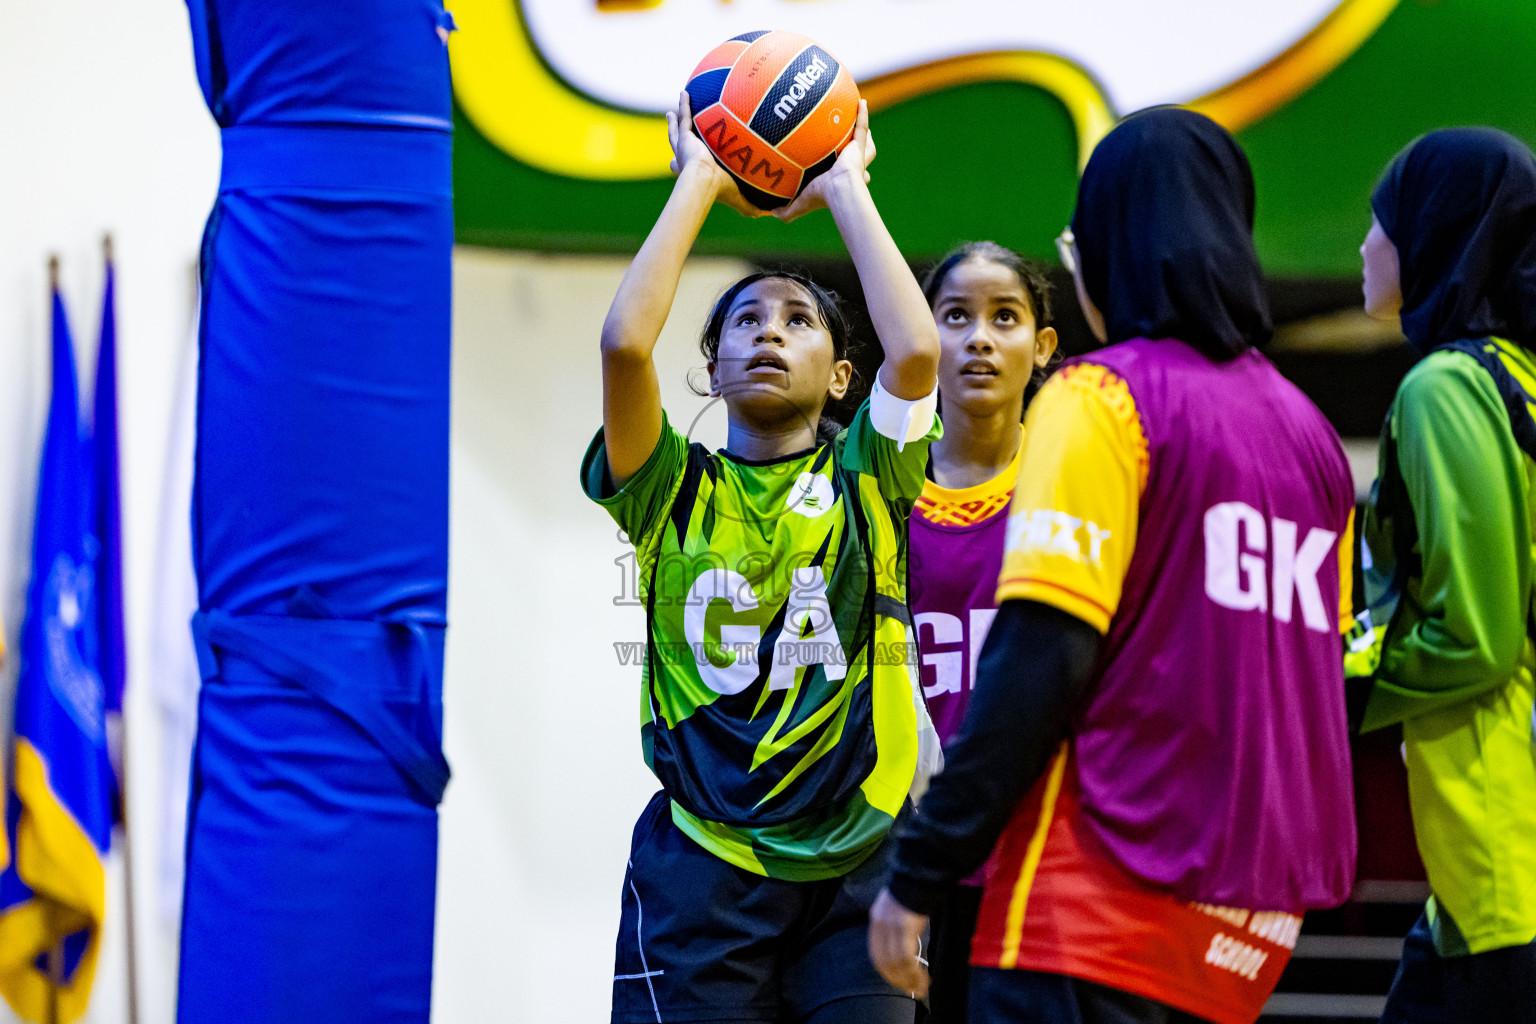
(1032, 278)
(829, 310)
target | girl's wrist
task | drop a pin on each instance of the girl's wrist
(705, 174)
(845, 184)
(844, 188)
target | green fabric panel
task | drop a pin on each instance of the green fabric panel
(901, 474)
(801, 852)
(1472, 788)
(775, 696)
(643, 500)
(1460, 627)
(1450, 529)
(1442, 928)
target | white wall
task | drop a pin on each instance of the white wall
(102, 129)
(542, 721)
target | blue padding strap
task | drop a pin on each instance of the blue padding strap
(342, 663)
(305, 158)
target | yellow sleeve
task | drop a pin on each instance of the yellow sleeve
(1073, 523)
(1347, 575)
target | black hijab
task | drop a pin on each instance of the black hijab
(1164, 228)
(1460, 206)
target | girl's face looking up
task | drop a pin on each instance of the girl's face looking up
(776, 366)
(989, 343)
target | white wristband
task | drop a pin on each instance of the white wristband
(899, 419)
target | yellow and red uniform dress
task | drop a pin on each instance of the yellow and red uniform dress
(1059, 898)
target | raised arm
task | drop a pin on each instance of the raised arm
(631, 395)
(900, 314)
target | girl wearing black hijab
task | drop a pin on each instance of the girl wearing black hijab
(1451, 253)
(1156, 753)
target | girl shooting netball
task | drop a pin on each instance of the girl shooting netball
(778, 710)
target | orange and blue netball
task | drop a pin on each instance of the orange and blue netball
(775, 109)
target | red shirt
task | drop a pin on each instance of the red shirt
(1057, 902)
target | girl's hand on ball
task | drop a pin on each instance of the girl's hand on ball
(687, 147)
(688, 150)
(852, 165)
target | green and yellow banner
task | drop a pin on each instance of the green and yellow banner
(984, 110)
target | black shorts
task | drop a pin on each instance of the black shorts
(1001, 996)
(703, 940)
(1496, 987)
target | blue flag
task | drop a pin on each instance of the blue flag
(107, 518)
(59, 809)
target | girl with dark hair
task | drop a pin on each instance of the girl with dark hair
(829, 309)
(1155, 755)
(1451, 255)
(992, 307)
(779, 709)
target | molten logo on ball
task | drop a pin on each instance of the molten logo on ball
(802, 82)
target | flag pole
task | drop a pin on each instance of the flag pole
(55, 955)
(129, 903)
(128, 887)
(55, 980)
